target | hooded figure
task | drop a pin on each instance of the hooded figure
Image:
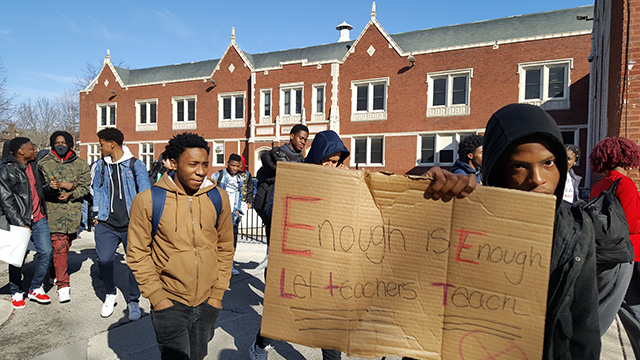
(571, 325)
(325, 144)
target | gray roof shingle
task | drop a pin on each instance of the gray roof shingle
(513, 27)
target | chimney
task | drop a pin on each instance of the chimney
(344, 31)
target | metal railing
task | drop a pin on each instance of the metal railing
(251, 227)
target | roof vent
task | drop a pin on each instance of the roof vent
(344, 31)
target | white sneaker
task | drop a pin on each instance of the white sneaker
(134, 311)
(63, 294)
(109, 304)
(256, 353)
(234, 271)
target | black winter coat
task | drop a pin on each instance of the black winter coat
(15, 191)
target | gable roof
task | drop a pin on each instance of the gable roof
(510, 29)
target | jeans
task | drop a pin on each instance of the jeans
(61, 244)
(630, 310)
(107, 242)
(41, 239)
(184, 332)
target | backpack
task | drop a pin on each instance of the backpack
(132, 162)
(159, 196)
(613, 244)
(263, 190)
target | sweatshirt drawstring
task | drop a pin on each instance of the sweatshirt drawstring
(111, 189)
(119, 182)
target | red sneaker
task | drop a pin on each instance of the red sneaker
(39, 296)
(17, 300)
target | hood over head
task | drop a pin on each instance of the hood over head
(326, 143)
(507, 127)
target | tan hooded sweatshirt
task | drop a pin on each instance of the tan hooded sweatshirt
(188, 261)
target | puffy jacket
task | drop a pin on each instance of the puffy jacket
(65, 217)
(188, 260)
(571, 325)
(102, 182)
(15, 191)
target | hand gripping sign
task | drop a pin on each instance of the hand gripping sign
(363, 263)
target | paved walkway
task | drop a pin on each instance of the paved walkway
(76, 331)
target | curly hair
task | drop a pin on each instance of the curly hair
(68, 138)
(574, 149)
(111, 134)
(181, 142)
(468, 145)
(614, 152)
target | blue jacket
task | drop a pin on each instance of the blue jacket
(102, 192)
(222, 177)
(463, 168)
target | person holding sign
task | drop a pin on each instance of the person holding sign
(23, 204)
(184, 267)
(523, 150)
(327, 149)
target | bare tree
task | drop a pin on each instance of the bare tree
(38, 120)
(6, 99)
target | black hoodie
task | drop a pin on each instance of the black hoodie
(571, 325)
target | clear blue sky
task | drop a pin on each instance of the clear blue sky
(45, 45)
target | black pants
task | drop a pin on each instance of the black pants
(184, 332)
(327, 354)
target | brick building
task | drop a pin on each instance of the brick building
(400, 102)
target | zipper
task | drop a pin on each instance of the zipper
(195, 252)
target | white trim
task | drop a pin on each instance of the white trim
(148, 126)
(369, 114)
(214, 152)
(148, 156)
(234, 121)
(544, 101)
(108, 106)
(367, 162)
(292, 117)
(186, 124)
(449, 109)
(315, 115)
(266, 119)
(438, 146)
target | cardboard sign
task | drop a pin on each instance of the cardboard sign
(363, 263)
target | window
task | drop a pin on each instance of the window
(218, 153)
(368, 151)
(265, 106)
(184, 112)
(106, 115)
(318, 99)
(291, 103)
(146, 154)
(147, 113)
(231, 110)
(448, 93)
(369, 99)
(546, 83)
(93, 153)
(439, 149)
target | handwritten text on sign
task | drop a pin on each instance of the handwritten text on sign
(363, 263)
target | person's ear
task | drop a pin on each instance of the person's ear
(291, 136)
(470, 156)
(173, 164)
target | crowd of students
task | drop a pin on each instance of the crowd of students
(183, 261)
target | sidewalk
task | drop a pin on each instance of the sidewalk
(75, 330)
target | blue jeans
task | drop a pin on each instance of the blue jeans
(107, 242)
(41, 240)
(184, 332)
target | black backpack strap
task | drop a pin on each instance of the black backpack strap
(158, 198)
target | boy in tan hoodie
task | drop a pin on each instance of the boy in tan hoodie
(185, 268)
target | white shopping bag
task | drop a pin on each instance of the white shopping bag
(13, 244)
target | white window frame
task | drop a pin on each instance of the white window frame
(545, 101)
(111, 106)
(438, 146)
(367, 161)
(186, 124)
(93, 153)
(292, 117)
(369, 114)
(266, 119)
(218, 145)
(315, 114)
(234, 121)
(449, 109)
(146, 156)
(147, 126)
